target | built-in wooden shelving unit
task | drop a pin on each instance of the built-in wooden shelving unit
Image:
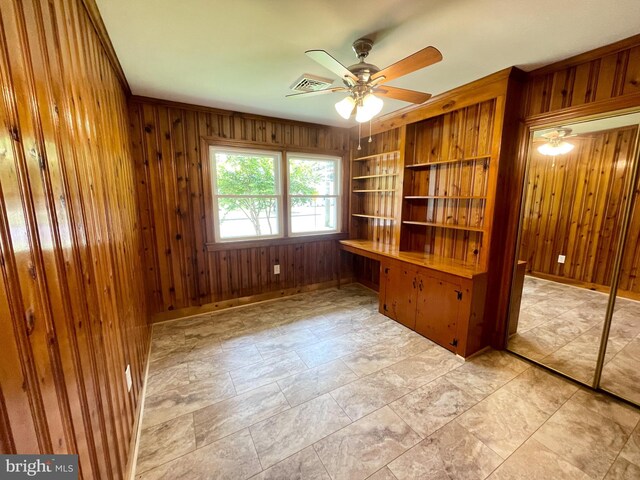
(449, 165)
(423, 196)
(426, 186)
(376, 188)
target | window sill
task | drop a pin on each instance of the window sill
(216, 247)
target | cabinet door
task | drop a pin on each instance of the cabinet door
(438, 305)
(400, 295)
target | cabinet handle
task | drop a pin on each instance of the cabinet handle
(414, 283)
(420, 286)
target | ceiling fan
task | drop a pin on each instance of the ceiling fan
(365, 82)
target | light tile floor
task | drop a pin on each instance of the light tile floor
(560, 326)
(321, 386)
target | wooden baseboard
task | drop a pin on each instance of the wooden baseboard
(137, 422)
(242, 301)
(589, 286)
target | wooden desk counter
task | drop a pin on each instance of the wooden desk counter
(379, 251)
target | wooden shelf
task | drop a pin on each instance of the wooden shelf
(362, 215)
(369, 157)
(374, 190)
(445, 162)
(441, 197)
(374, 176)
(440, 225)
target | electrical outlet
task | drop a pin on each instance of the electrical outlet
(276, 269)
(127, 374)
(561, 258)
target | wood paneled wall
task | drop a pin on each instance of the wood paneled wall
(596, 78)
(574, 207)
(72, 308)
(183, 267)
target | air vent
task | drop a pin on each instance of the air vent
(311, 83)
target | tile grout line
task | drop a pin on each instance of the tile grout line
(450, 421)
(246, 426)
(255, 449)
(340, 406)
(545, 422)
(313, 446)
(310, 445)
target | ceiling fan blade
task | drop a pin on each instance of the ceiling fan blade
(319, 92)
(410, 96)
(331, 64)
(422, 58)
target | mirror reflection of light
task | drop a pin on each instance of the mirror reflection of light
(558, 149)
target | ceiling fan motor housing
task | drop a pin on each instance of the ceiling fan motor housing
(362, 70)
(362, 47)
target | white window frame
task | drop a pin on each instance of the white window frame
(337, 192)
(213, 149)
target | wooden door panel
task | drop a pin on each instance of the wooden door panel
(437, 308)
(400, 295)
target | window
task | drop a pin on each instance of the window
(246, 194)
(314, 194)
(248, 198)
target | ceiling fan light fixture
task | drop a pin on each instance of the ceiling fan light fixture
(345, 107)
(555, 148)
(370, 107)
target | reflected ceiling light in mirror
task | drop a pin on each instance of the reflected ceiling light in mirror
(555, 148)
(555, 143)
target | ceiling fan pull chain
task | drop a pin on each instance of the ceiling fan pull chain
(370, 140)
(359, 135)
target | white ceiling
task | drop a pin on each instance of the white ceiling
(244, 54)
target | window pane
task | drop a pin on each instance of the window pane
(313, 214)
(248, 217)
(245, 174)
(312, 177)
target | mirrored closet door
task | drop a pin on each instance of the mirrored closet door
(575, 217)
(621, 366)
